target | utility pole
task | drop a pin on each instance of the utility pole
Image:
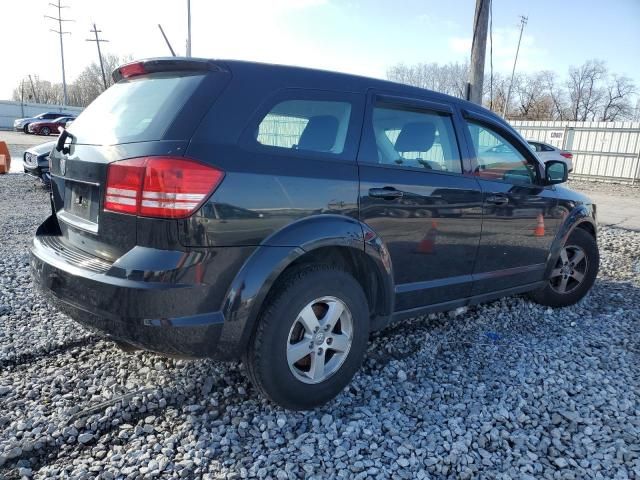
(523, 22)
(478, 49)
(59, 19)
(98, 40)
(188, 28)
(33, 90)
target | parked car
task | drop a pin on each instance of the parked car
(223, 219)
(47, 127)
(35, 161)
(22, 124)
(546, 152)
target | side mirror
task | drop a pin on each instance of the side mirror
(555, 172)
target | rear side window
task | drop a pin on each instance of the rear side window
(137, 110)
(306, 125)
(420, 139)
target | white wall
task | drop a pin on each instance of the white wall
(9, 111)
(601, 150)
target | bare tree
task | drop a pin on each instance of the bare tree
(617, 99)
(449, 78)
(585, 91)
(84, 90)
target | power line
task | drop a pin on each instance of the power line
(523, 22)
(98, 40)
(60, 32)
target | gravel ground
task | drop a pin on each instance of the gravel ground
(504, 390)
(617, 189)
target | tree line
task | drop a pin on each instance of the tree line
(80, 93)
(588, 92)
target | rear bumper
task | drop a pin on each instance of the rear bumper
(172, 318)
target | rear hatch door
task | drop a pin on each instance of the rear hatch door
(152, 110)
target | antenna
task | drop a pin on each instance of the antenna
(60, 32)
(98, 40)
(166, 40)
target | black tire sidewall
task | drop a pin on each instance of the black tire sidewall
(275, 376)
(583, 239)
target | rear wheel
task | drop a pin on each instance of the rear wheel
(573, 273)
(311, 337)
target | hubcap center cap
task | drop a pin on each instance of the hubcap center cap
(318, 338)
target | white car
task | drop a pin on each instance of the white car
(546, 152)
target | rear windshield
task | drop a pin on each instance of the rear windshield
(137, 110)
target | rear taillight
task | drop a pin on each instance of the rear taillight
(162, 187)
(566, 155)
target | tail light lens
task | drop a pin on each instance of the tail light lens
(161, 187)
(567, 155)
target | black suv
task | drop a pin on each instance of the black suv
(276, 214)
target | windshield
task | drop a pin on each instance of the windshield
(137, 110)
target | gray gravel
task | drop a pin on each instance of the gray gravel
(504, 390)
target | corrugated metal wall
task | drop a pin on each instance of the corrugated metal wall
(10, 110)
(601, 150)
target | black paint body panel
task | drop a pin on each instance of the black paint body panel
(195, 287)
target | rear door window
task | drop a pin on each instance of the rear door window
(139, 109)
(306, 125)
(422, 139)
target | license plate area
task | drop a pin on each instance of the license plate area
(82, 200)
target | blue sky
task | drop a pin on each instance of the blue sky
(356, 36)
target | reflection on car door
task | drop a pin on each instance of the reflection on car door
(520, 217)
(414, 195)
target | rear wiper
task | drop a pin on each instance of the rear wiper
(64, 134)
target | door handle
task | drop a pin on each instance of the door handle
(388, 193)
(497, 199)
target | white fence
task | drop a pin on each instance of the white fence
(601, 150)
(9, 111)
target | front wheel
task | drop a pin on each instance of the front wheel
(25, 129)
(310, 339)
(45, 131)
(573, 273)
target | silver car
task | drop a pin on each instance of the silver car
(546, 152)
(22, 124)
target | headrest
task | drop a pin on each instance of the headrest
(416, 137)
(319, 134)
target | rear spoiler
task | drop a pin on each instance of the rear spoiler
(164, 64)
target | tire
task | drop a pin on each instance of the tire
(25, 129)
(309, 288)
(551, 295)
(45, 131)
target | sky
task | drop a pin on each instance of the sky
(365, 37)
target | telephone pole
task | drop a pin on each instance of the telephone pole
(188, 28)
(523, 22)
(60, 32)
(478, 49)
(98, 40)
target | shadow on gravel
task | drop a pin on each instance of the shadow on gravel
(491, 354)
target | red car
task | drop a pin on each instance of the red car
(46, 127)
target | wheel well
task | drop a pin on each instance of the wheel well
(588, 227)
(357, 264)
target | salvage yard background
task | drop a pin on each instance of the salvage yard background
(504, 390)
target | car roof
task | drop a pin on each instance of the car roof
(283, 76)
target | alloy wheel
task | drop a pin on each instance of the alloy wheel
(570, 270)
(319, 340)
